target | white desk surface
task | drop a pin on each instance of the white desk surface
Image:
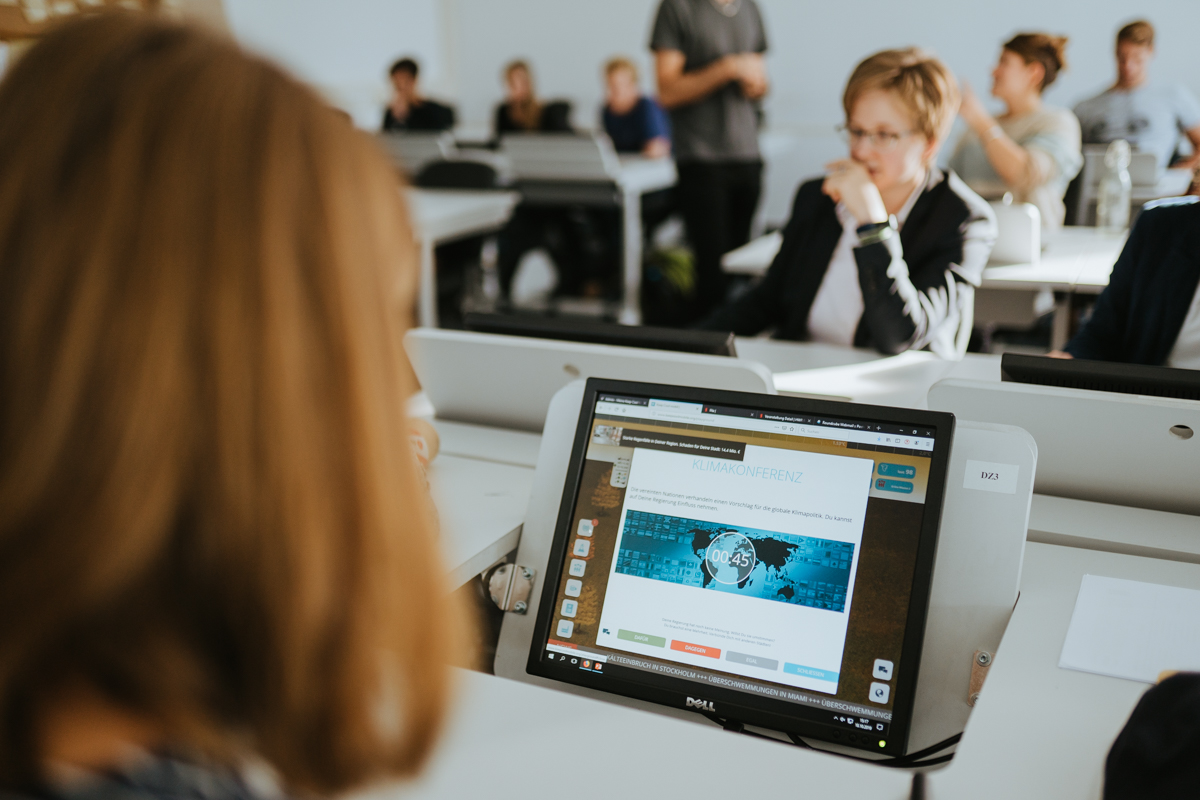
(1115, 529)
(1039, 731)
(1075, 259)
(639, 174)
(441, 214)
(901, 380)
(511, 740)
(483, 443)
(481, 506)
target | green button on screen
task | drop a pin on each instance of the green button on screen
(641, 638)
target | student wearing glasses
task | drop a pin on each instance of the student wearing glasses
(1032, 150)
(886, 250)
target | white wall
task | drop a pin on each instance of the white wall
(813, 45)
(344, 47)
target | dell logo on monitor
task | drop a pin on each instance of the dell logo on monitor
(701, 705)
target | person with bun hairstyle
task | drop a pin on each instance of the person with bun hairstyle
(1032, 150)
(218, 552)
(886, 250)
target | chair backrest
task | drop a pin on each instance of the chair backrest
(556, 117)
(536, 156)
(1019, 226)
(457, 174)
(410, 152)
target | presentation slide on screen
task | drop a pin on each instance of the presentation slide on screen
(737, 558)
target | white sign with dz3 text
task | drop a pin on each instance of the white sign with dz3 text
(989, 477)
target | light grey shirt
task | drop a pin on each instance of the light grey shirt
(1051, 138)
(722, 126)
(1150, 117)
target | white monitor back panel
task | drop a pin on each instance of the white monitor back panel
(561, 156)
(975, 581)
(411, 152)
(1099, 446)
(978, 570)
(508, 381)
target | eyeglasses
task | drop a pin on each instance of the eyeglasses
(880, 141)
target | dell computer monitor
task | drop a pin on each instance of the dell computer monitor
(574, 329)
(767, 560)
(1101, 376)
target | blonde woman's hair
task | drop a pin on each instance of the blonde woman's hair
(209, 510)
(922, 82)
(527, 113)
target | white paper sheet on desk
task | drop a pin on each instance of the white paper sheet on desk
(1132, 630)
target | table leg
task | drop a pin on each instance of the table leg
(631, 268)
(427, 290)
(1060, 329)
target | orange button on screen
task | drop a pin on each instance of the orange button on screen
(696, 649)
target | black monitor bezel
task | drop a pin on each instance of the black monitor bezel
(1101, 376)
(575, 329)
(744, 708)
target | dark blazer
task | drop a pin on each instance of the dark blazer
(928, 302)
(1138, 316)
(428, 116)
(556, 118)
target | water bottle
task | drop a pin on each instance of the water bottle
(1112, 206)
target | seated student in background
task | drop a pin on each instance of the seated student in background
(886, 250)
(1033, 150)
(218, 551)
(409, 111)
(1150, 116)
(522, 112)
(1150, 311)
(635, 123)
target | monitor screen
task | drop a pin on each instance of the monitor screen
(764, 559)
(1101, 376)
(573, 329)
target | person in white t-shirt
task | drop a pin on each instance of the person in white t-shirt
(1152, 117)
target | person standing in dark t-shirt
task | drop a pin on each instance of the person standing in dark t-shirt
(634, 122)
(709, 65)
(409, 111)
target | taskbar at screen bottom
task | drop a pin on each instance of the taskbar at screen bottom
(844, 723)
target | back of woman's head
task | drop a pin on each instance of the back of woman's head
(1041, 48)
(919, 79)
(209, 513)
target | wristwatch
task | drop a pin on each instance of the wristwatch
(876, 232)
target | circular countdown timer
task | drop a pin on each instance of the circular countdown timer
(730, 558)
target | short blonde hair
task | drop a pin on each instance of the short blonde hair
(1139, 32)
(209, 508)
(619, 63)
(919, 79)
